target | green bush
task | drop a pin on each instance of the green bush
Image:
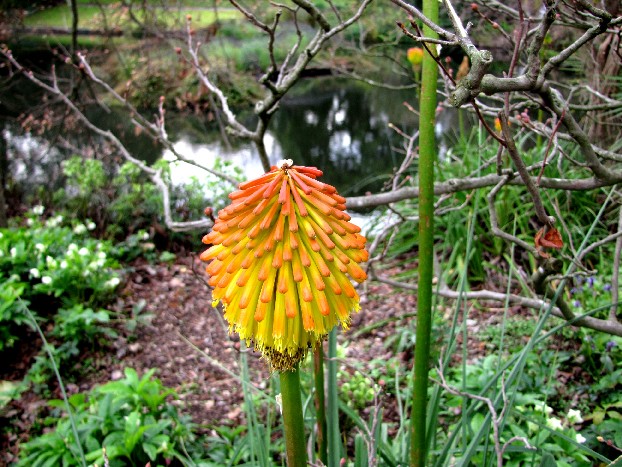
(131, 419)
(65, 277)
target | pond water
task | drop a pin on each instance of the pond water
(331, 124)
(337, 125)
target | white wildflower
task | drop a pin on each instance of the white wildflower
(579, 438)
(34, 272)
(546, 409)
(554, 423)
(90, 225)
(40, 247)
(54, 221)
(101, 255)
(38, 209)
(79, 229)
(83, 251)
(63, 264)
(145, 236)
(112, 283)
(47, 280)
(51, 262)
(29, 222)
(574, 417)
(72, 247)
(13, 252)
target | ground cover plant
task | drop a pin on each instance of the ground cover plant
(489, 332)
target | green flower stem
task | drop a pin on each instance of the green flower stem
(320, 407)
(293, 420)
(332, 410)
(427, 156)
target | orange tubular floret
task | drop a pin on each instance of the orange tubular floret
(271, 189)
(277, 261)
(287, 251)
(324, 198)
(283, 192)
(318, 205)
(284, 278)
(303, 186)
(304, 257)
(301, 205)
(321, 265)
(287, 206)
(223, 254)
(341, 265)
(304, 287)
(297, 268)
(233, 239)
(291, 304)
(341, 255)
(293, 222)
(261, 207)
(239, 246)
(333, 284)
(211, 237)
(316, 277)
(235, 264)
(293, 241)
(266, 178)
(307, 316)
(247, 220)
(322, 235)
(267, 222)
(335, 224)
(214, 267)
(317, 184)
(254, 231)
(323, 303)
(267, 290)
(315, 245)
(311, 171)
(260, 311)
(279, 229)
(254, 198)
(264, 269)
(245, 276)
(356, 272)
(211, 252)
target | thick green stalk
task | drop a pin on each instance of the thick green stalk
(332, 414)
(320, 407)
(293, 420)
(427, 156)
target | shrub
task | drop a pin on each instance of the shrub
(130, 419)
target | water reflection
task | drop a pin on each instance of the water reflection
(339, 127)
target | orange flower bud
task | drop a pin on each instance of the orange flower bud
(281, 259)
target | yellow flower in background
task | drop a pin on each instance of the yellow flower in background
(280, 259)
(415, 56)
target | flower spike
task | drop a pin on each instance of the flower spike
(279, 262)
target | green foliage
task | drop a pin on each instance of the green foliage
(130, 419)
(11, 315)
(356, 389)
(128, 202)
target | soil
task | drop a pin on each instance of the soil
(188, 342)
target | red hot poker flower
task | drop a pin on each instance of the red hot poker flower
(280, 259)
